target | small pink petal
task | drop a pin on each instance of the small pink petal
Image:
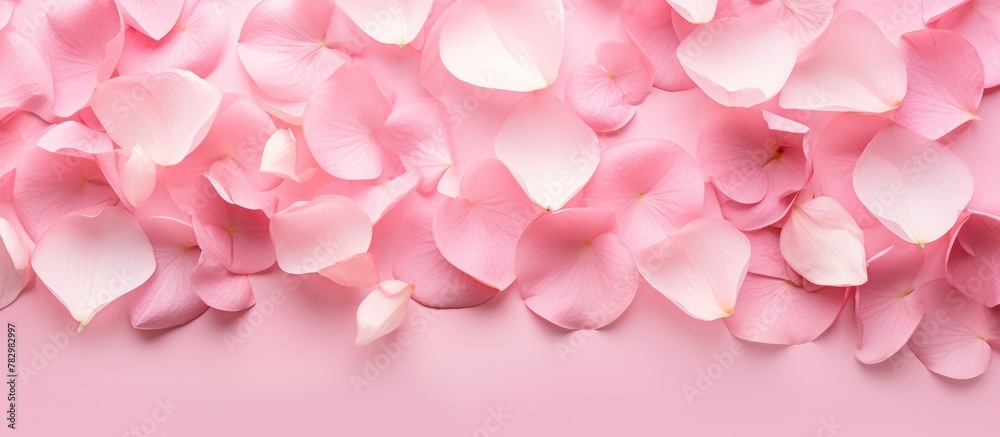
(777, 311)
(957, 336)
(934, 9)
(437, 283)
(750, 217)
(137, 175)
(648, 22)
(695, 11)
(357, 271)
(220, 288)
(18, 135)
(72, 137)
(653, 187)
(376, 197)
(287, 158)
(311, 236)
(976, 21)
(805, 20)
(234, 237)
(973, 258)
(478, 231)
(602, 90)
(15, 263)
(700, 268)
(383, 310)
(420, 133)
(152, 18)
(196, 43)
(394, 22)
(888, 309)
(574, 271)
(25, 78)
(824, 244)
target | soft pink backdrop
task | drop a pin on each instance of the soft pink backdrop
(285, 367)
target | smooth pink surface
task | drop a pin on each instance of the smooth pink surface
(288, 366)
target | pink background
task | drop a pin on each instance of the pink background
(289, 366)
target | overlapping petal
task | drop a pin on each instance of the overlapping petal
(25, 78)
(153, 18)
(888, 306)
(824, 244)
(957, 335)
(976, 21)
(383, 310)
(602, 90)
(973, 258)
(15, 263)
(196, 43)
(649, 22)
(388, 21)
(311, 236)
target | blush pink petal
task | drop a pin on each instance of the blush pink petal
(376, 197)
(436, 282)
(25, 78)
(934, 9)
(18, 135)
(976, 21)
(236, 187)
(15, 263)
(648, 22)
(167, 299)
(6, 10)
(574, 271)
(172, 116)
(602, 90)
(700, 268)
(285, 157)
(652, 186)
(72, 137)
(973, 258)
(745, 64)
(957, 336)
(220, 288)
(357, 271)
(478, 231)
(234, 237)
(777, 311)
(944, 81)
(341, 125)
(383, 310)
(90, 258)
(195, 44)
(916, 187)
(394, 22)
(289, 47)
(136, 175)
(855, 68)
(750, 217)
(419, 132)
(824, 244)
(695, 11)
(549, 150)
(513, 45)
(154, 18)
(50, 185)
(888, 310)
(83, 40)
(311, 236)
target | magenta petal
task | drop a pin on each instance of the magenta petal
(888, 309)
(573, 271)
(957, 335)
(220, 288)
(167, 299)
(649, 24)
(973, 259)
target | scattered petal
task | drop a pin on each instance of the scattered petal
(821, 242)
(196, 43)
(973, 258)
(383, 310)
(888, 308)
(15, 263)
(153, 18)
(957, 336)
(72, 137)
(388, 21)
(287, 158)
(649, 24)
(976, 21)
(220, 288)
(311, 236)
(232, 236)
(602, 90)
(25, 78)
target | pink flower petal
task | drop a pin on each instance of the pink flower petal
(744, 65)
(137, 175)
(376, 197)
(71, 137)
(25, 78)
(973, 258)
(420, 133)
(220, 288)
(648, 22)
(855, 68)
(167, 299)
(236, 238)
(934, 9)
(700, 268)
(166, 113)
(767, 260)
(6, 10)
(437, 283)
(653, 187)
(90, 258)
(777, 311)
(945, 81)
(49, 186)
(824, 244)
(574, 271)
(310, 236)
(913, 185)
(289, 47)
(357, 271)
(805, 20)
(83, 40)
(15, 263)
(976, 21)
(888, 309)
(513, 45)
(195, 44)
(287, 158)
(478, 231)
(750, 217)
(18, 135)
(957, 335)
(695, 11)
(549, 150)
(388, 21)
(152, 18)
(341, 124)
(602, 90)
(383, 310)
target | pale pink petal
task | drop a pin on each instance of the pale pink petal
(92, 257)
(83, 40)
(137, 175)
(383, 310)
(310, 236)
(653, 187)
(744, 65)
(437, 283)
(153, 18)
(285, 110)
(750, 217)
(342, 122)
(357, 271)
(15, 263)
(419, 133)
(25, 78)
(167, 299)
(855, 68)
(934, 9)
(234, 186)
(287, 158)
(766, 250)
(549, 150)
(18, 135)
(166, 113)
(438, 8)
(6, 9)
(695, 11)
(944, 81)
(805, 20)
(574, 271)
(777, 311)
(196, 43)
(478, 231)
(235, 237)
(957, 336)
(49, 186)
(513, 45)
(376, 197)
(289, 47)
(72, 137)
(434, 77)
(648, 22)
(700, 268)
(976, 21)
(602, 90)
(388, 21)
(219, 288)
(824, 244)
(888, 309)
(913, 185)
(973, 258)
